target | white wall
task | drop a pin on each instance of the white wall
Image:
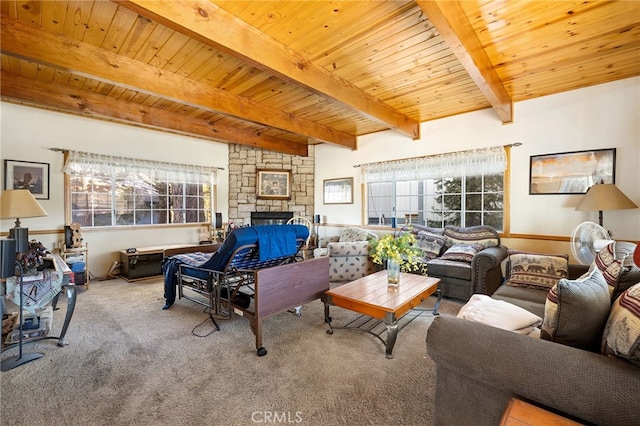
(28, 133)
(603, 116)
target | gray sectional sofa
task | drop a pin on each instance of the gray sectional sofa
(479, 368)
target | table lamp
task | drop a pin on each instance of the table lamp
(604, 196)
(20, 203)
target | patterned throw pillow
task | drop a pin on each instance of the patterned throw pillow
(354, 234)
(534, 270)
(621, 337)
(610, 267)
(461, 252)
(430, 244)
(576, 311)
(475, 235)
(629, 277)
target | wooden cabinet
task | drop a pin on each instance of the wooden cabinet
(143, 263)
(146, 262)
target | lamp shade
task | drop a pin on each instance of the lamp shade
(19, 203)
(605, 196)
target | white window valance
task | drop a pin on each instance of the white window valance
(468, 163)
(88, 164)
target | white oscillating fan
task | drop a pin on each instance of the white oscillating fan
(589, 238)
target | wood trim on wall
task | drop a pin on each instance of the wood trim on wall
(506, 192)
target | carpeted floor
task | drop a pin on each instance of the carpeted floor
(131, 363)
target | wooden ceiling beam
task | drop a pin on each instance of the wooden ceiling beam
(65, 99)
(449, 18)
(212, 25)
(40, 46)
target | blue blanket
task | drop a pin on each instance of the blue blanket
(276, 241)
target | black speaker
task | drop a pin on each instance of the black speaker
(68, 236)
(7, 258)
(316, 218)
(218, 222)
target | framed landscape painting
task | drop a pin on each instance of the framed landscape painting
(571, 172)
(274, 184)
(338, 191)
(27, 175)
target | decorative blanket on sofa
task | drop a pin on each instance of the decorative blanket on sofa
(500, 314)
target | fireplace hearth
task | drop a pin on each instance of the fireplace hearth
(270, 218)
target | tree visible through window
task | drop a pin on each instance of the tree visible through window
(135, 192)
(459, 201)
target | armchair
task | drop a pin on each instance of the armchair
(348, 254)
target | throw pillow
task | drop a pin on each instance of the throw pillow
(535, 270)
(610, 267)
(576, 311)
(621, 337)
(354, 234)
(629, 277)
(460, 252)
(481, 236)
(430, 244)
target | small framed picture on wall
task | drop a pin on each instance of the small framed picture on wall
(27, 175)
(274, 184)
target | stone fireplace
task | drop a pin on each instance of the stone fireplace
(244, 161)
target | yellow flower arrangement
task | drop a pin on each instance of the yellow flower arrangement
(403, 249)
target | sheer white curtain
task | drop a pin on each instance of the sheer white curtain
(88, 164)
(470, 163)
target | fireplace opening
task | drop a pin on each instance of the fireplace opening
(270, 218)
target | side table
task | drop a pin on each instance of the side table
(70, 292)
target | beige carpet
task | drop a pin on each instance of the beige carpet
(131, 363)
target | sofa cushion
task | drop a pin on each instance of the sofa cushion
(621, 337)
(430, 244)
(576, 311)
(449, 268)
(535, 270)
(461, 252)
(610, 267)
(483, 236)
(531, 299)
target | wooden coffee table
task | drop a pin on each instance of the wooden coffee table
(371, 296)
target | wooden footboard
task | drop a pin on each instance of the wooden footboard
(280, 288)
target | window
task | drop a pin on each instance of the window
(110, 191)
(461, 189)
(470, 201)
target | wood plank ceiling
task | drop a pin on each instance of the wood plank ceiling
(281, 75)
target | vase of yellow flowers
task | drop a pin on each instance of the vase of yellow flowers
(398, 253)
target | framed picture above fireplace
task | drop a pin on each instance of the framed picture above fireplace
(274, 184)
